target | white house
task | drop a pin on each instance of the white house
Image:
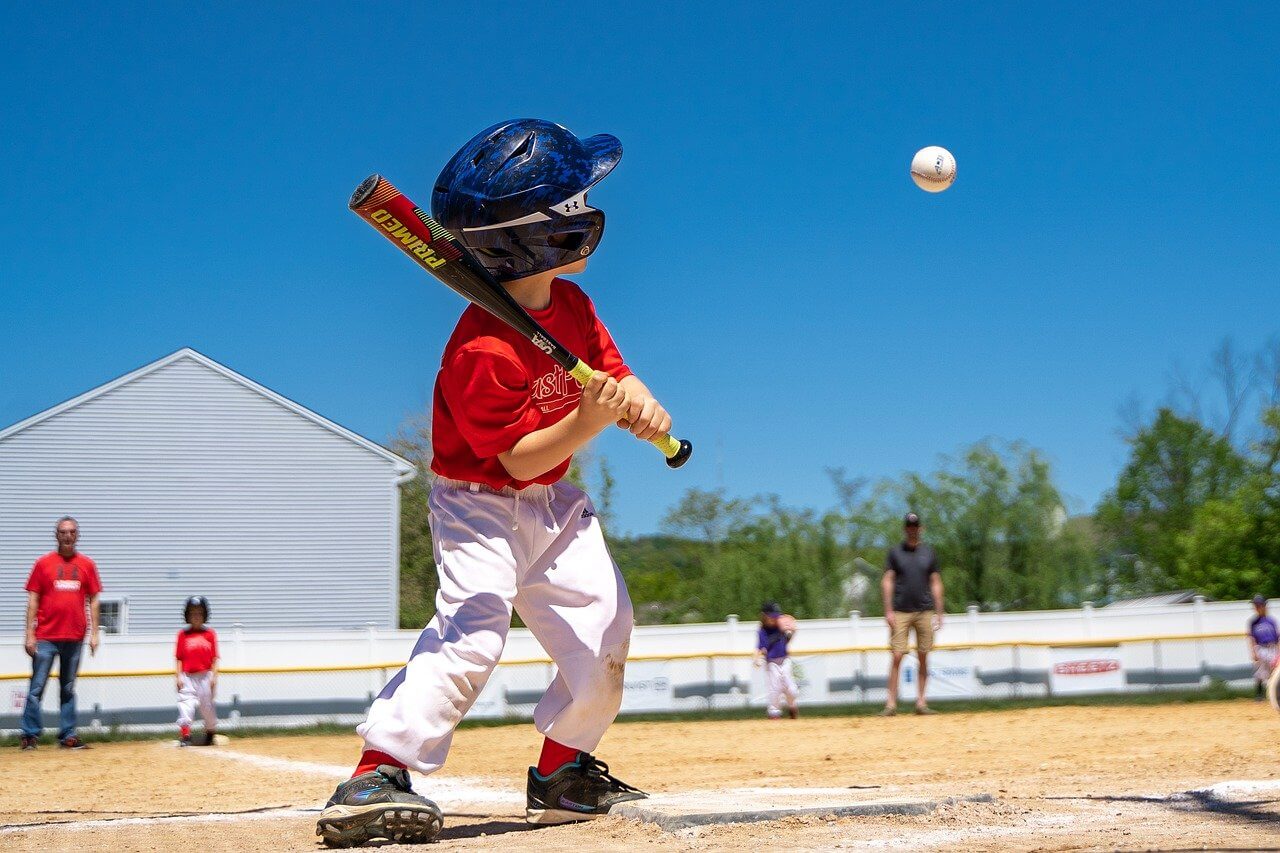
(190, 479)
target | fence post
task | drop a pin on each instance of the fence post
(1197, 625)
(1086, 610)
(733, 626)
(855, 640)
(96, 722)
(971, 623)
(711, 680)
(1017, 672)
(237, 651)
(1158, 660)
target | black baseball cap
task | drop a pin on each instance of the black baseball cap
(911, 520)
(771, 608)
(1259, 599)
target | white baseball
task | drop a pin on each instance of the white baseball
(933, 169)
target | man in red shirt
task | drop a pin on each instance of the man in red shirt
(60, 583)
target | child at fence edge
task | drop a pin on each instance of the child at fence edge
(197, 671)
(1264, 642)
(508, 531)
(776, 631)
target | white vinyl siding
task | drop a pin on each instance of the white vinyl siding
(190, 480)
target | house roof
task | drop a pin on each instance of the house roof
(401, 465)
(1159, 599)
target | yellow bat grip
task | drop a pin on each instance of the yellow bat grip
(676, 451)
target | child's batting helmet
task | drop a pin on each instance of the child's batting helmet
(516, 195)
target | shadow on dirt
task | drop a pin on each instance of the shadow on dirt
(498, 826)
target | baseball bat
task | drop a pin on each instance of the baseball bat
(442, 255)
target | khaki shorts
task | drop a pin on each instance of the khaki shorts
(904, 622)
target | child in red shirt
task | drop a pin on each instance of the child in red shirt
(508, 531)
(197, 671)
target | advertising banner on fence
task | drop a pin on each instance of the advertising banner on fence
(951, 676)
(647, 687)
(1095, 669)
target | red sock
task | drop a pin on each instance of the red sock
(185, 731)
(554, 756)
(371, 758)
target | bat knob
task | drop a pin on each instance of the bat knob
(362, 193)
(682, 455)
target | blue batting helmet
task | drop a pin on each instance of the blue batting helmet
(516, 195)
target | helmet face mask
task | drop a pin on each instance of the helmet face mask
(516, 194)
(518, 251)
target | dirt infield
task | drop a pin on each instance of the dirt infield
(1077, 778)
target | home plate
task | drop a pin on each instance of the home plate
(748, 805)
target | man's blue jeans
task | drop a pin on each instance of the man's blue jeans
(68, 653)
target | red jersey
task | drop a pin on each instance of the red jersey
(197, 650)
(63, 586)
(495, 387)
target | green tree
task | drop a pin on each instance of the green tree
(418, 581)
(707, 515)
(1219, 552)
(997, 521)
(1175, 466)
(605, 494)
(1232, 546)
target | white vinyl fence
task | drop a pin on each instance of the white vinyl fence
(303, 678)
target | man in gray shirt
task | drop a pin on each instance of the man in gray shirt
(912, 588)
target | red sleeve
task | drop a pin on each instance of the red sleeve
(487, 389)
(213, 641)
(37, 582)
(93, 584)
(180, 649)
(602, 352)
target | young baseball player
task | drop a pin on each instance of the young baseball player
(776, 631)
(197, 670)
(1264, 640)
(509, 533)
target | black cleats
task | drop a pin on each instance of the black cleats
(378, 804)
(581, 790)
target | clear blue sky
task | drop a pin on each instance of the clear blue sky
(179, 178)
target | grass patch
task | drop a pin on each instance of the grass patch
(1216, 692)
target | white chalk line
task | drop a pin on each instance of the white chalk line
(1236, 788)
(446, 791)
(103, 823)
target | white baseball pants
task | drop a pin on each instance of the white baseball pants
(541, 551)
(782, 685)
(197, 691)
(1266, 662)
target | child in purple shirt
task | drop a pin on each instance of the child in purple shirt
(776, 631)
(1264, 640)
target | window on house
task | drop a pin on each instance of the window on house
(112, 615)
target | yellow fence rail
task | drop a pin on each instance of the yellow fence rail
(1090, 642)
